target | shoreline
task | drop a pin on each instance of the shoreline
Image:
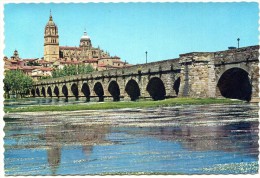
(124, 105)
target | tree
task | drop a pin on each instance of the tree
(45, 77)
(81, 69)
(72, 70)
(89, 68)
(33, 63)
(16, 82)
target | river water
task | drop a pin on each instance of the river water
(197, 139)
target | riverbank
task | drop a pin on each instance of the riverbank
(125, 104)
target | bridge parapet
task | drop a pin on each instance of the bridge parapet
(246, 54)
(139, 69)
(195, 57)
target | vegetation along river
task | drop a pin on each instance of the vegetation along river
(188, 139)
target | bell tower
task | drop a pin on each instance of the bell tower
(51, 41)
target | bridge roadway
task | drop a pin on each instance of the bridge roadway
(230, 73)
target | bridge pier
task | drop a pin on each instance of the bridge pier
(197, 75)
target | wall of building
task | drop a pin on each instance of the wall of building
(51, 52)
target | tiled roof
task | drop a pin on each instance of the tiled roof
(32, 59)
(76, 62)
(46, 69)
(128, 65)
(118, 61)
(45, 62)
(70, 62)
(102, 65)
(28, 67)
(90, 60)
(104, 58)
(116, 66)
(69, 48)
(23, 67)
(12, 67)
(108, 66)
(13, 61)
(115, 57)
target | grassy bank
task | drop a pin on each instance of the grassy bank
(128, 104)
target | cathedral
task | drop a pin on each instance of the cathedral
(84, 53)
(56, 56)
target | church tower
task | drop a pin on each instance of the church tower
(85, 41)
(51, 41)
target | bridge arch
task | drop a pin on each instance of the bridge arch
(33, 92)
(43, 91)
(98, 89)
(38, 92)
(65, 91)
(114, 90)
(86, 91)
(27, 92)
(132, 89)
(156, 88)
(75, 90)
(176, 85)
(235, 83)
(56, 91)
(49, 92)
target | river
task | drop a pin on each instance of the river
(195, 139)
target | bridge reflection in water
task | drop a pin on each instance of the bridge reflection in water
(133, 141)
(66, 135)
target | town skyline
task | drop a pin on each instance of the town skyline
(165, 30)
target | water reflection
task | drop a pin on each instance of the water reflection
(13, 103)
(54, 155)
(145, 140)
(67, 134)
(239, 137)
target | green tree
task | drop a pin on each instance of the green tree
(81, 69)
(45, 77)
(55, 73)
(33, 63)
(16, 82)
(62, 71)
(72, 70)
(89, 68)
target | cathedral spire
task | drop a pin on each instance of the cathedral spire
(50, 19)
(85, 32)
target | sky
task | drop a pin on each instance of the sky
(164, 30)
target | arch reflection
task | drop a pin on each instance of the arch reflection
(58, 136)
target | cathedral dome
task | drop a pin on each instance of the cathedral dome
(50, 22)
(85, 36)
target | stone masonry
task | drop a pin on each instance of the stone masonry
(196, 74)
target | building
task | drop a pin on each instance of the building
(85, 53)
(56, 56)
(31, 67)
(51, 41)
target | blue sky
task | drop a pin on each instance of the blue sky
(127, 30)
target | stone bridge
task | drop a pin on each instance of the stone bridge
(231, 74)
